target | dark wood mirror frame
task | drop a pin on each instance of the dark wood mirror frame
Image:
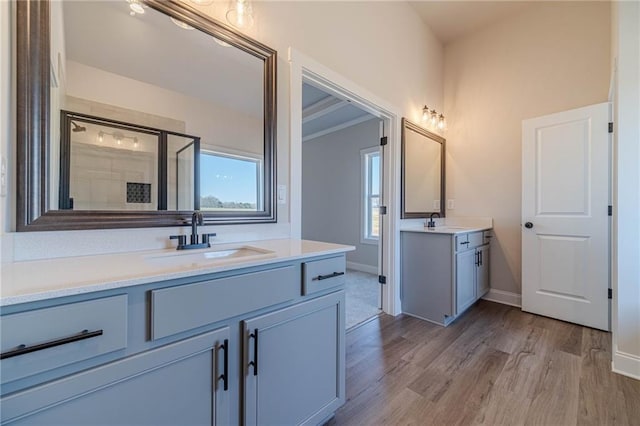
(33, 212)
(408, 125)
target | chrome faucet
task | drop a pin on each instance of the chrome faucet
(196, 219)
(432, 223)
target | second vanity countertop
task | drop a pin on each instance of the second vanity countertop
(445, 229)
(31, 281)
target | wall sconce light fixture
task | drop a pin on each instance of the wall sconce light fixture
(432, 119)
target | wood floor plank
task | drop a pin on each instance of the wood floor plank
(496, 365)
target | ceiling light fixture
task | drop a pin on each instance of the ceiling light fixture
(240, 13)
(181, 24)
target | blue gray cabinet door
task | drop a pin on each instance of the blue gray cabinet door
(465, 280)
(176, 384)
(296, 374)
(482, 276)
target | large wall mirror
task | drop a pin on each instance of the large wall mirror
(137, 119)
(422, 172)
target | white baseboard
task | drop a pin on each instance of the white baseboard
(626, 364)
(362, 267)
(504, 297)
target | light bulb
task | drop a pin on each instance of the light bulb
(240, 13)
(434, 117)
(425, 113)
(100, 136)
(441, 122)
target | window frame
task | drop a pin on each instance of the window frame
(366, 196)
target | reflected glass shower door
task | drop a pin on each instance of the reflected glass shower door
(182, 169)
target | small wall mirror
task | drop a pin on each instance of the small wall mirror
(422, 172)
(136, 118)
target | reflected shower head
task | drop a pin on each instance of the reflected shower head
(77, 127)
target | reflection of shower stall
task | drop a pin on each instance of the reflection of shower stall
(183, 168)
(113, 165)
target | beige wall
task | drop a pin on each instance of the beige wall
(548, 58)
(381, 46)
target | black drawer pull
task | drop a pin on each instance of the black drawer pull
(326, 277)
(24, 349)
(466, 242)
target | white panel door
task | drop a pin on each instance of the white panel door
(565, 224)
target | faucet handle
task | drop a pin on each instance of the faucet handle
(182, 240)
(206, 237)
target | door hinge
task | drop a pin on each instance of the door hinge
(610, 293)
(610, 210)
(611, 127)
(382, 279)
(383, 141)
(382, 210)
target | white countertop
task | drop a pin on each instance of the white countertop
(445, 229)
(31, 281)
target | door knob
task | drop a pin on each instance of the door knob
(528, 225)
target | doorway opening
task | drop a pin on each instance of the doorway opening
(342, 180)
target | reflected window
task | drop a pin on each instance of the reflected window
(230, 182)
(371, 194)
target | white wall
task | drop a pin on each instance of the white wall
(550, 57)
(332, 189)
(626, 242)
(383, 46)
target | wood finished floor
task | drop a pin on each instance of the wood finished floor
(496, 365)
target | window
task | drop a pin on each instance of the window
(230, 182)
(370, 159)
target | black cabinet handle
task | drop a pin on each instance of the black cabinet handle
(225, 372)
(254, 363)
(326, 277)
(477, 258)
(480, 253)
(528, 225)
(24, 349)
(466, 242)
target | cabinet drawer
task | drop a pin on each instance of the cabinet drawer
(61, 335)
(486, 237)
(323, 274)
(181, 308)
(470, 240)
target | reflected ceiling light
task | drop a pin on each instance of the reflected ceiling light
(221, 43)
(136, 7)
(240, 13)
(100, 136)
(181, 24)
(202, 2)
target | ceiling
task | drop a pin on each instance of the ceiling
(450, 20)
(323, 113)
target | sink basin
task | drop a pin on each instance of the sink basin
(206, 257)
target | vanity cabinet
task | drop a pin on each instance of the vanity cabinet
(179, 383)
(295, 354)
(472, 275)
(236, 347)
(443, 274)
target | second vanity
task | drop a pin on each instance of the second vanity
(444, 270)
(257, 339)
